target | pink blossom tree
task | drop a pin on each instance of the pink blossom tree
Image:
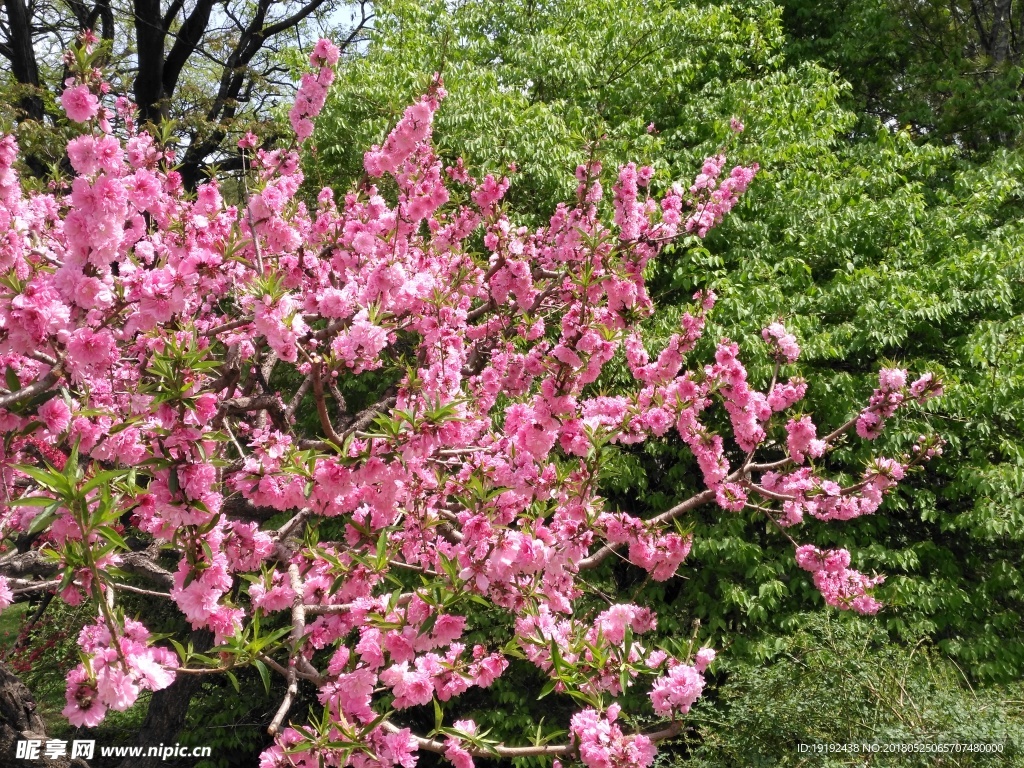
(141, 328)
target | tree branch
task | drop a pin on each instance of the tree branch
(188, 38)
(298, 630)
(501, 751)
(704, 497)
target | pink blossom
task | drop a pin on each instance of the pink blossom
(116, 688)
(802, 440)
(55, 414)
(6, 596)
(325, 53)
(783, 344)
(602, 744)
(731, 496)
(455, 753)
(84, 708)
(360, 346)
(90, 352)
(703, 658)
(80, 104)
(677, 691)
(783, 396)
(411, 687)
(217, 349)
(613, 622)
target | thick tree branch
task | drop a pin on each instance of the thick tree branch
(149, 41)
(23, 57)
(186, 42)
(20, 720)
(293, 20)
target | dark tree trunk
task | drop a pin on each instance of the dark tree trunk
(1000, 31)
(149, 40)
(105, 15)
(23, 57)
(20, 721)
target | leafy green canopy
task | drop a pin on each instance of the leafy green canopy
(872, 246)
(533, 83)
(950, 70)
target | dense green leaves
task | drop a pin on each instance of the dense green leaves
(838, 681)
(951, 71)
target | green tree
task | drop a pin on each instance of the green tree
(950, 71)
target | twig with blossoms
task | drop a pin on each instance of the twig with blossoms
(297, 631)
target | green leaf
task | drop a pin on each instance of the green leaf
(11, 377)
(112, 536)
(264, 674)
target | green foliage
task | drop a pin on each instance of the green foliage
(532, 83)
(838, 680)
(931, 65)
(43, 654)
(233, 726)
(893, 252)
(876, 245)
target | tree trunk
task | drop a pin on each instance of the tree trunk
(1000, 31)
(19, 721)
(149, 41)
(23, 60)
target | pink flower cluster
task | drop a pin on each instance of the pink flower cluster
(454, 752)
(670, 360)
(802, 439)
(79, 103)
(411, 132)
(748, 409)
(803, 492)
(657, 552)
(891, 393)
(783, 344)
(118, 670)
(714, 199)
(602, 744)
(178, 338)
(6, 596)
(678, 690)
(785, 395)
(312, 93)
(612, 624)
(631, 215)
(841, 586)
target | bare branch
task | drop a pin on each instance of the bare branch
(298, 630)
(31, 390)
(501, 751)
(321, 405)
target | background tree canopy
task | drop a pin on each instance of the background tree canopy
(214, 68)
